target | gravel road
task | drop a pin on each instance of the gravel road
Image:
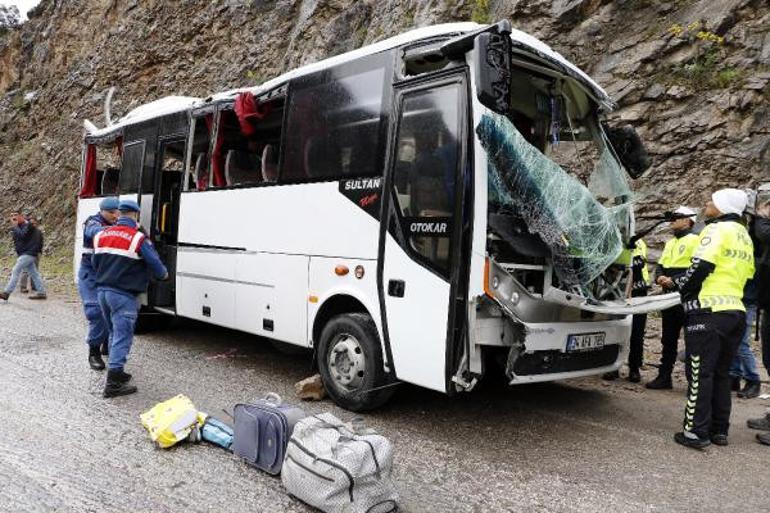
(582, 445)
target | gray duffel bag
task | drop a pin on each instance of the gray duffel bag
(339, 469)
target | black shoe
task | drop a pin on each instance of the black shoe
(763, 424)
(115, 387)
(122, 377)
(610, 376)
(735, 383)
(750, 390)
(4, 296)
(719, 439)
(95, 359)
(660, 383)
(105, 348)
(634, 376)
(763, 438)
(692, 443)
(37, 295)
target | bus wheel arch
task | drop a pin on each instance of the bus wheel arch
(350, 361)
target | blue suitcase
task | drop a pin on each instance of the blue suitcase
(262, 431)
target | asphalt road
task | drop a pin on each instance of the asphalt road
(578, 446)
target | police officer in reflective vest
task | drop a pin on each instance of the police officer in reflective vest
(712, 292)
(674, 262)
(97, 328)
(635, 257)
(123, 259)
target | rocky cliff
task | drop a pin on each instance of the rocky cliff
(692, 75)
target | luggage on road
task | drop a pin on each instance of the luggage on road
(217, 432)
(262, 431)
(339, 469)
(172, 421)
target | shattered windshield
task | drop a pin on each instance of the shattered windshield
(578, 209)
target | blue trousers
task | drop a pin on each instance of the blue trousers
(97, 327)
(25, 263)
(745, 365)
(120, 310)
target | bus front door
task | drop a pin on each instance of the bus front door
(422, 242)
(165, 219)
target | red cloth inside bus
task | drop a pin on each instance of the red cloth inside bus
(248, 110)
(217, 162)
(89, 173)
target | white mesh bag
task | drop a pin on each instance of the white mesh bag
(339, 469)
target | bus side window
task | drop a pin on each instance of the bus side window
(133, 161)
(198, 178)
(333, 127)
(425, 171)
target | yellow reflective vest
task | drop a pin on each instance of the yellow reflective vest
(637, 259)
(677, 252)
(728, 246)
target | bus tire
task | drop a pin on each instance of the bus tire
(350, 362)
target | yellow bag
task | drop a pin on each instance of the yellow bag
(172, 421)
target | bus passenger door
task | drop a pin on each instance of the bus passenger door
(421, 246)
(165, 216)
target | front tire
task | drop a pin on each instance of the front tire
(351, 365)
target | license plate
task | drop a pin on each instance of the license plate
(585, 342)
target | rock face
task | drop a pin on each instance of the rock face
(691, 75)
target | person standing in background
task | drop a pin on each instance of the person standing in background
(26, 250)
(37, 234)
(674, 262)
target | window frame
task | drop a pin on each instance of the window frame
(382, 60)
(395, 219)
(140, 174)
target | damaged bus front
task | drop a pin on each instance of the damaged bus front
(553, 215)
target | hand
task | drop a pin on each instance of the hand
(764, 210)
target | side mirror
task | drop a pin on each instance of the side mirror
(629, 148)
(492, 70)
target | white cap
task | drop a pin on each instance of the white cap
(686, 211)
(730, 201)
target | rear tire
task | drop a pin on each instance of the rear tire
(350, 362)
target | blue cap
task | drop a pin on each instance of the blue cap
(128, 206)
(109, 204)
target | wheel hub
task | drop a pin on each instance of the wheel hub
(346, 362)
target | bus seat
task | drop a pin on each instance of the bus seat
(269, 164)
(200, 169)
(241, 167)
(322, 157)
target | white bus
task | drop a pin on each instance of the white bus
(391, 209)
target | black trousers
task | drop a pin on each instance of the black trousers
(764, 336)
(711, 341)
(673, 320)
(636, 349)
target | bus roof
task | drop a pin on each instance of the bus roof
(172, 104)
(445, 29)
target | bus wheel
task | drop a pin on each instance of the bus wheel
(350, 363)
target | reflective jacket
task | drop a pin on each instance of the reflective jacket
(124, 258)
(91, 227)
(721, 265)
(677, 254)
(637, 259)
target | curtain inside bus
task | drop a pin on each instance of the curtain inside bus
(88, 189)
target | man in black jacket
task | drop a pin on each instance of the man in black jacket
(762, 236)
(26, 250)
(37, 235)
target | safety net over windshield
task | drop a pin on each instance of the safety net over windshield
(579, 223)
